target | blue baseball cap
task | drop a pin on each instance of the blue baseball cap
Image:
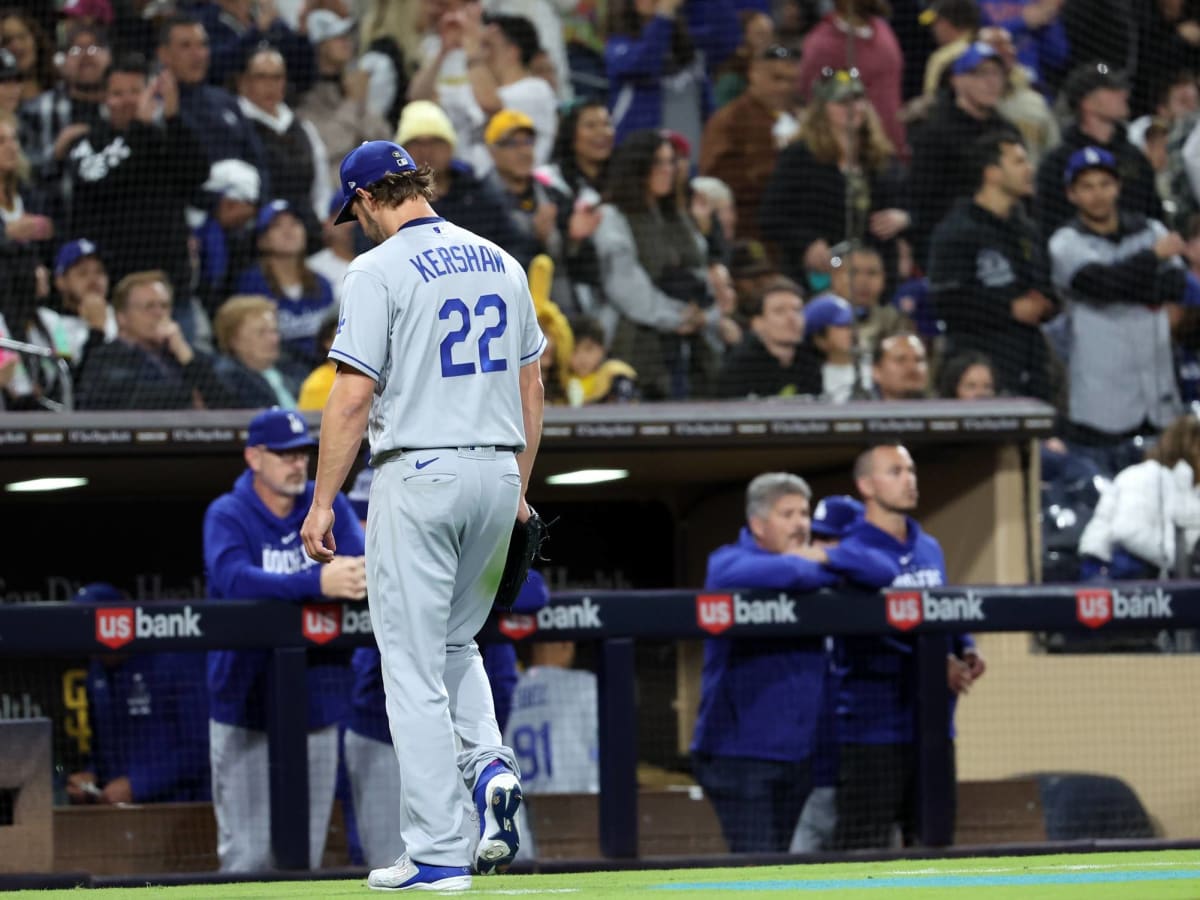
(835, 516)
(1089, 158)
(279, 429)
(72, 252)
(366, 164)
(826, 310)
(100, 592)
(270, 213)
(973, 57)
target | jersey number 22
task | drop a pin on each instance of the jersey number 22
(454, 307)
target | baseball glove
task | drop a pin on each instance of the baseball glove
(524, 547)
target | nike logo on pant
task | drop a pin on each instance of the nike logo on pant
(420, 464)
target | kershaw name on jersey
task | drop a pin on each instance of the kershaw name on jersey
(456, 259)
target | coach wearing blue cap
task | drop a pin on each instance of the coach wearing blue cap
(1116, 269)
(252, 550)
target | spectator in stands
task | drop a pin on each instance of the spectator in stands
(759, 700)
(226, 236)
(314, 391)
(85, 318)
(942, 169)
(829, 331)
(210, 112)
(54, 119)
(876, 58)
(1116, 269)
(337, 104)
(1098, 98)
(1168, 40)
(27, 41)
(988, 273)
(250, 550)
(150, 365)
(837, 182)
(499, 54)
(857, 274)
(247, 333)
(296, 158)
(968, 376)
(1135, 530)
(461, 197)
(1041, 40)
(511, 137)
(742, 140)
(11, 83)
(236, 28)
(1021, 105)
(713, 210)
(758, 33)
(575, 175)
(148, 713)
(953, 24)
(332, 260)
(877, 676)
(592, 377)
(442, 76)
(302, 296)
(1176, 101)
(772, 359)
(652, 263)
(899, 370)
(656, 74)
(139, 168)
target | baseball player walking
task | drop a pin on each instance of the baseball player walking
(438, 347)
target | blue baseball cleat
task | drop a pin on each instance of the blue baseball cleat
(498, 797)
(406, 875)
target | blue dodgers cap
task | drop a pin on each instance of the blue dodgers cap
(835, 516)
(100, 592)
(974, 56)
(270, 213)
(366, 164)
(72, 252)
(826, 310)
(1089, 158)
(279, 429)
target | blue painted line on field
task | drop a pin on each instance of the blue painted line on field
(934, 881)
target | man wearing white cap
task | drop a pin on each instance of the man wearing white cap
(226, 234)
(339, 104)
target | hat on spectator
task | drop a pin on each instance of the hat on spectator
(1089, 158)
(835, 516)
(100, 592)
(504, 123)
(279, 429)
(962, 14)
(236, 179)
(72, 252)
(974, 57)
(8, 67)
(366, 164)
(682, 146)
(826, 311)
(838, 85)
(323, 25)
(270, 213)
(750, 260)
(425, 119)
(1096, 76)
(98, 10)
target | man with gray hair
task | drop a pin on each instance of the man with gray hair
(759, 699)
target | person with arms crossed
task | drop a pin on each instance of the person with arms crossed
(251, 551)
(438, 346)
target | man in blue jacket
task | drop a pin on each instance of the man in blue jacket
(252, 551)
(760, 699)
(147, 713)
(876, 709)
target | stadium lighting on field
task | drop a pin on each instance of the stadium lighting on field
(587, 476)
(41, 485)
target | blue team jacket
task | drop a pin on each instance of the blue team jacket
(760, 698)
(877, 676)
(368, 705)
(251, 554)
(149, 718)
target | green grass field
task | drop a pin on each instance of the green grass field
(1166, 875)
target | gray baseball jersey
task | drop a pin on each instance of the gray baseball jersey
(553, 730)
(443, 320)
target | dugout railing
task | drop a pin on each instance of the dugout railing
(613, 621)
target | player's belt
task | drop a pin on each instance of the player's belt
(386, 456)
